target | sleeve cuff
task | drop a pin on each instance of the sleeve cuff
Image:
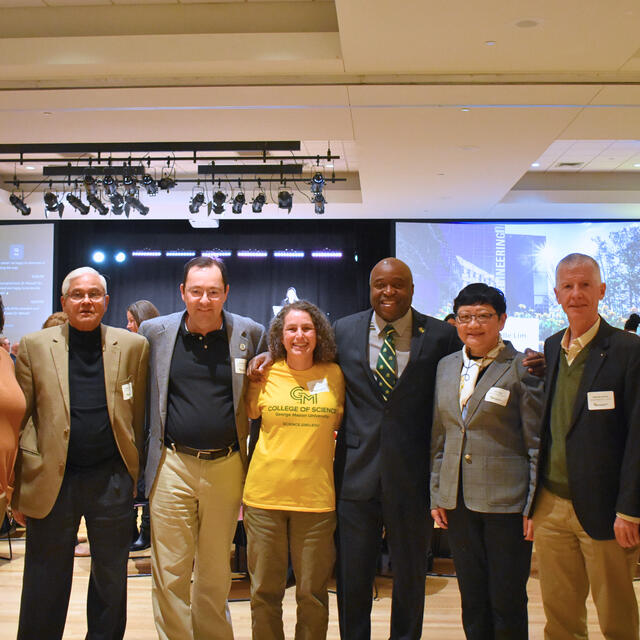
(628, 518)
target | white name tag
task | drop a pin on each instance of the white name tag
(240, 365)
(318, 386)
(599, 400)
(498, 396)
(127, 390)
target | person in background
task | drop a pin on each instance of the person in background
(197, 455)
(5, 343)
(484, 448)
(451, 319)
(12, 407)
(586, 510)
(137, 313)
(85, 390)
(289, 494)
(632, 323)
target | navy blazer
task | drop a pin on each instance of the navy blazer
(385, 445)
(603, 446)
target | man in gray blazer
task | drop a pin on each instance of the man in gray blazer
(197, 451)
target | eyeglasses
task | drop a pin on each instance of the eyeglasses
(481, 318)
(79, 296)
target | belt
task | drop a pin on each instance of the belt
(204, 454)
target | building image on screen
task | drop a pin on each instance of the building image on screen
(519, 259)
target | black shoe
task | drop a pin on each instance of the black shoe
(141, 543)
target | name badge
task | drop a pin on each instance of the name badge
(498, 396)
(127, 390)
(317, 386)
(600, 400)
(240, 365)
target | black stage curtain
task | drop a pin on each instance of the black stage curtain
(338, 287)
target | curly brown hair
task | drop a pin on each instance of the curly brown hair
(325, 350)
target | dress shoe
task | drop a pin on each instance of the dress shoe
(141, 543)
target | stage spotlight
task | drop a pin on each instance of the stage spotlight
(258, 202)
(130, 187)
(318, 203)
(219, 198)
(98, 205)
(132, 201)
(238, 202)
(19, 204)
(110, 185)
(53, 204)
(196, 202)
(285, 200)
(150, 185)
(166, 184)
(90, 185)
(121, 256)
(98, 257)
(77, 204)
(317, 183)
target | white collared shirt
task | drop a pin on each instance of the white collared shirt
(401, 339)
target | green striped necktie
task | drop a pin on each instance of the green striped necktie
(387, 366)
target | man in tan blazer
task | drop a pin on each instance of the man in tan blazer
(84, 385)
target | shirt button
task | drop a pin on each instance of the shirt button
(467, 458)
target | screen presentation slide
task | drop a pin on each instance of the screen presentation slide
(520, 259)
(26, 277)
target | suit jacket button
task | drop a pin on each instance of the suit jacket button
(467, 458)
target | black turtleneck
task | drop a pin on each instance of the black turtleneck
(91, 440)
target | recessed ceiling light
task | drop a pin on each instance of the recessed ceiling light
(30, 168)
(46, 114)
(329, 165)
(535, 164)
(637, 165)
(527, 24)
(490, 43)
(465, 109)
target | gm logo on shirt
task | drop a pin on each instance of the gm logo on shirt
(301, 395)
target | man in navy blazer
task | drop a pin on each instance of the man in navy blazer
(382, 453)
(587, 506)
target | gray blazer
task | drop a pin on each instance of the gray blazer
(496, 447)
(246, 339)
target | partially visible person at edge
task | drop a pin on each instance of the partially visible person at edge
(289, 494)
(586, 512)
(137, 313)
(632, 323)
(484, 448)
(85, 387)
(197, 456)
(12, 407)
(382, 450)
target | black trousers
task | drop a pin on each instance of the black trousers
(492, 561)
(358, 538)
(104, 496)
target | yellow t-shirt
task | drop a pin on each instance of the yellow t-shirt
(292, 465)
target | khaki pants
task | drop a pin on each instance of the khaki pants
(271, 535)
(569, 561)
(194, 509)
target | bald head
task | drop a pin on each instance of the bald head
(391, 289)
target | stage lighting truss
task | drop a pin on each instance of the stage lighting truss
(116, 174)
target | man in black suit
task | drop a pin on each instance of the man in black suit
(587, 506)
(382, 451)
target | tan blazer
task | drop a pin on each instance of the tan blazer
(42, 370)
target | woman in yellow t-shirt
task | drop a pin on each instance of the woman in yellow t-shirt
(289, 495)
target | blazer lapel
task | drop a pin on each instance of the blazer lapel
(238, 350)
(362, 338)
(60, 355)
(493, 373)
(596, 358)
(165, 345)
(111, 363)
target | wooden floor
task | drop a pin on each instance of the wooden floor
(441, 619)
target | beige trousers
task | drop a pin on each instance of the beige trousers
(194, 510)
(569, 562)
(271, 535)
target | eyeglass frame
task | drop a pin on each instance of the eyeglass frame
(481, 318)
